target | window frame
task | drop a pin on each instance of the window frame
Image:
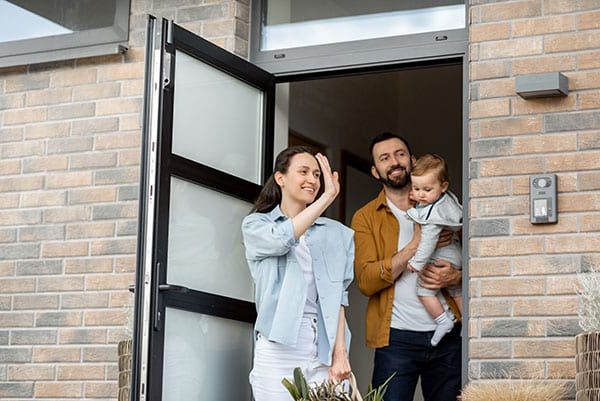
(86, 43)
(428, 45)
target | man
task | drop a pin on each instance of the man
(397, 324)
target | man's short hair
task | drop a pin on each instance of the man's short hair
(384, 136)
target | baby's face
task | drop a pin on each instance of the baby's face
(427, 188)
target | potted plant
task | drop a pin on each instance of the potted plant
(124, 351)
(587, 343)
(514, 390)
(329, 391)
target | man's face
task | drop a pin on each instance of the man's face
(393, 163)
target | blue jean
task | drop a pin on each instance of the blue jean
(410, 354)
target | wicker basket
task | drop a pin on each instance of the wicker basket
(124, 350)
(587, 360)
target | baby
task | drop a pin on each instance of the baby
(437, 209)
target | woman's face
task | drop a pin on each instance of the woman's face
(301, 182)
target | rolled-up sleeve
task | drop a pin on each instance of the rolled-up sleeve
(264, 237)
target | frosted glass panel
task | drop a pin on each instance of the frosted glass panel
(217, 119)
(205, 241)
(206, 358)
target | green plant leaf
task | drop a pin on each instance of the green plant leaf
(291, 388)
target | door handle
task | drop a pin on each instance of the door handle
(173, 288)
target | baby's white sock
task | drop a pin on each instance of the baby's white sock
(444, 325)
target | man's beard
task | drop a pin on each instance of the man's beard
(397, 182)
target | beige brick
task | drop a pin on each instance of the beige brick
(561, 369)
(125, 264)
(543, 348)
(544, 265)
(510, 11)
(67, 180)
(35, 302)
(93, 160)
(46, 163)
(574, 162)
(511, 126)
(573, 243)
(90, 230)
(116, 335)
(588, 20)
(58, 319)
(589, 100)
(13, 134)
(483, 32)
(45, 198)
(511, 48)
(105, 318)
(19, 217)
(67, 214)
(566, 6)
(589, 140)
(50, 130)
(16, 319)
(548, 105)
(509, 246)
(69, 111)
(121, 72)
(579, 202)
(480, 187)
(54, 354)
(61, 283)
(7, 269)
(486, 349)
(479, 307)
(512, 286)
(95, 126)
(81, 372)
(100, 354)
(113, 247)
(589, 222)
(588, 60)
(561, 285)
(540, 26)
(58, 390)
(9, 201)
(130, 157)
(490, 108)
(81, 336)
(16, 285)
(487, 267)
(30, 373)
(32, 82)
(563, 142)
(12, 101)
(496, 88)
(133, 87)
(122, 299)
(92, 195)
(501, 206)
(547, 306)
(118, 106)
(10, 167)
(583, 80)
(101, 390)
(522, 225)
(96, 91)
(21, 149)
(48, 96)
(118, 141)
(489, 69)
(88, 265)
(65, 249)
(512, 166)
(84, 301)
(571, 42)
(69, 145)
(109, 282)
(76, 77)
(536, 65)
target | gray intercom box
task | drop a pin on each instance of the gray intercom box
(542, 195)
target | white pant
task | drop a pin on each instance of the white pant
(274, 361)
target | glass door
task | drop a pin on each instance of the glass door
(208, 145)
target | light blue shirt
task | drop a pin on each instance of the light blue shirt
(280, 285)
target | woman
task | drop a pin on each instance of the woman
(301, 265)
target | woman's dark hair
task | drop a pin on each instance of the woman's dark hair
(270, 195)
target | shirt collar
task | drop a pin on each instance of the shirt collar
(277, 214)
(381, 200)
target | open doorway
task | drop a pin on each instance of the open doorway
(342, 114)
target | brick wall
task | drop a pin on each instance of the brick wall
(69, 172)
(523, 302)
